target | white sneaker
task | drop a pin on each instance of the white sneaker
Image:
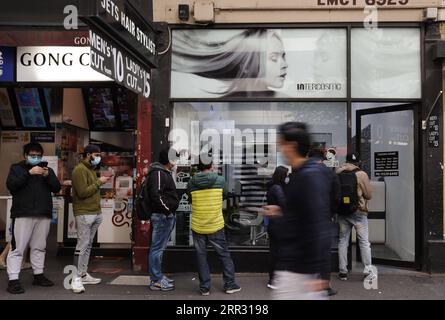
(272, 287)
(88, 279)
(77, 286)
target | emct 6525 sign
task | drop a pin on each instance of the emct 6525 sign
(361, 2)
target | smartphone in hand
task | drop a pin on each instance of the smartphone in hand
(43, 164)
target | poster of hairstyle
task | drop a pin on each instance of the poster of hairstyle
(281, 63)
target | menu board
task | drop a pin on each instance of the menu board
(6, 114)
(100, 101)
(30, 108)
(126, 102)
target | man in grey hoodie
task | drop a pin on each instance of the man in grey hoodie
(357, 219)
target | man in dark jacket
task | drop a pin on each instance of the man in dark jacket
(163, 202)
(335, 195)
(304, 237)
(31, 183)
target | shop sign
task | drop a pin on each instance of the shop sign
(433, 132)
(386, 164)
(125, 25)
(111, 60)
(15, 137)
(42, 137)
(56, 64)
(7, 64)
(260, 63)
(355, 3)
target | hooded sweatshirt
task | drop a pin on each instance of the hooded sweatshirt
(86, 190)
(364, 188)
(206, 190)
(161, 189)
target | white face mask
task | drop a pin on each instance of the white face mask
(96, 160)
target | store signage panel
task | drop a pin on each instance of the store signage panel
(7, 64)
(43, 137)
(127, 27)
(56, 64)
(262, 63)
(434, 132)
(111, 60)
(386, 164)
(377, 3)
(386, 63)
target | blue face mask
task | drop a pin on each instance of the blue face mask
(96, 161)
(33, 160)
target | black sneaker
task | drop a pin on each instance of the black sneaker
(343, 276)
(15, 287)
(41, 280)
(332, 292)
(204, 291)
(233, 289)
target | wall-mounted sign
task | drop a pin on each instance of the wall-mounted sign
(377, 3)
(56, 64)
(433, 132)
(126, 26)
(15, 137)
(7, 64)
(110, 59)
(43, 137)
(386, 164)
(261, 63)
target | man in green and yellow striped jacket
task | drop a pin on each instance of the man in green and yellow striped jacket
(206, 190)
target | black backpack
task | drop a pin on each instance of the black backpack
(142, 202)
(349, 196)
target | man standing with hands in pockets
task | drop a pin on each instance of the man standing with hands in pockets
(87, 211)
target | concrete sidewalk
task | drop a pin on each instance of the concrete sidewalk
(120, 283)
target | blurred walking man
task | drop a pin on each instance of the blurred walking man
(304, 236)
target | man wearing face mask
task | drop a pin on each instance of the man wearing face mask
(31, 183)
(87, 212)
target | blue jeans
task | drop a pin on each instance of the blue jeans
(218, 241)
(162, 227)
(360, 222)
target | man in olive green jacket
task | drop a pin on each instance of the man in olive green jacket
(87, 212)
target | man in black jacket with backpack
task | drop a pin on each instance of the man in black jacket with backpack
(162, 201)
(31, 183)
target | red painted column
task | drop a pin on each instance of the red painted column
(141, 229)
